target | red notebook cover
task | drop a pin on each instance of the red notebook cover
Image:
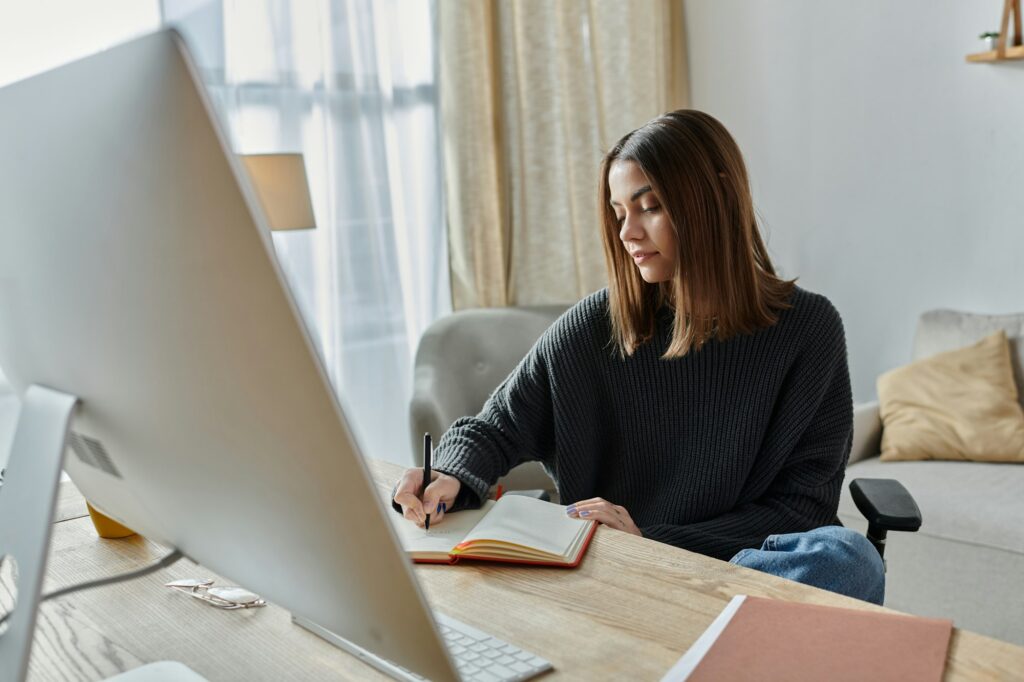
(579, 557)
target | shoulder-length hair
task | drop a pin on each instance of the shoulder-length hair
(724, 283)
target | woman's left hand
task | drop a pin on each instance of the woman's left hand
(600, 509)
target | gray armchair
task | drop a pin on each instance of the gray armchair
(461, 359)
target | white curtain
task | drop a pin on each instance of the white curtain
(351, 85)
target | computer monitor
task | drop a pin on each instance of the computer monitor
(138, 274)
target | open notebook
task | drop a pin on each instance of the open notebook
(517, 529)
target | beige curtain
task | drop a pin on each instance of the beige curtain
(533, 93)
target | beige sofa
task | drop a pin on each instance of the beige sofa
(967, 561)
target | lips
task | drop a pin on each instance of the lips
(641, 256)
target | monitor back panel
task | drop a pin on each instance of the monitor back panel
(137, 273)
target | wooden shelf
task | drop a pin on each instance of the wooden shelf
(1013, 44)
(1015, 52)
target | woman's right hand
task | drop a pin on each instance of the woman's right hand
(437, 498)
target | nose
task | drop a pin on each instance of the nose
(631, 228)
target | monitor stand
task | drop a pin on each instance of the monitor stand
(27, 501)
(28, 497)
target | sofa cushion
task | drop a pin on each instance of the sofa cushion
(971, 502)
(959, 405)
(943, 330)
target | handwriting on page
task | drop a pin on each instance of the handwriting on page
(435, 532)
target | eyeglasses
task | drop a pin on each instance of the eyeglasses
(221, 597)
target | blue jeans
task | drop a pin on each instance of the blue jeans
(832, 558)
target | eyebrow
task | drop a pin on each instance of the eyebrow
(635, 195)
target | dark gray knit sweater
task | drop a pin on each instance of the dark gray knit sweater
(711, 452)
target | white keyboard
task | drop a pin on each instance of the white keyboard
(480, 657)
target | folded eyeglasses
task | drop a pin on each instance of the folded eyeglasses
(221, 597)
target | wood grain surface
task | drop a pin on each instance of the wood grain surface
(628, 612)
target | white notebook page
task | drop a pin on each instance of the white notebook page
(442, 537)
(530, 522)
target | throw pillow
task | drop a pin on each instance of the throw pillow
(959, 405)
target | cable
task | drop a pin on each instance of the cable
(163, 563)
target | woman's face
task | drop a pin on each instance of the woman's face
(644, 227)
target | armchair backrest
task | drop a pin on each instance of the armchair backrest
(943, 330)
(463, 357)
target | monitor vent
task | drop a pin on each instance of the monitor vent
(90, 451)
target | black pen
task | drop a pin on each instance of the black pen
(427, 447)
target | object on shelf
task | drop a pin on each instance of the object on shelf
(1004, 47)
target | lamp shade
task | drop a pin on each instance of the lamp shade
(280, 182)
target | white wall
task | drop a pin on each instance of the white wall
(42, 34)
(888, 172)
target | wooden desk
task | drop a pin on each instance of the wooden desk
(628, 612)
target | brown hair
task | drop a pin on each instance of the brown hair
(724, 282)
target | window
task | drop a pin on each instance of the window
(352, 86)
(349, 83)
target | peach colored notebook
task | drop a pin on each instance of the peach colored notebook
(770, 639)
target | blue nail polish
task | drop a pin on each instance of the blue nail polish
(438, 508)
(584, 513)
(444, 506)
(570, 509)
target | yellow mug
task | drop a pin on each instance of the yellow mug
(107, 527)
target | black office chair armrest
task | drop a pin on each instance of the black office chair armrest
(886, 503)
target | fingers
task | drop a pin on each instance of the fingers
(440, 495)
(607, 518)
(414, 515)
(587, 508)
(437, 498)
(603, 511)
(407, 495)
(437, 515)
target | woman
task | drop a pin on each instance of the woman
(700, 400)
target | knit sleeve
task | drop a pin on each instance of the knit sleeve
(795, 483)
(514, 426)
